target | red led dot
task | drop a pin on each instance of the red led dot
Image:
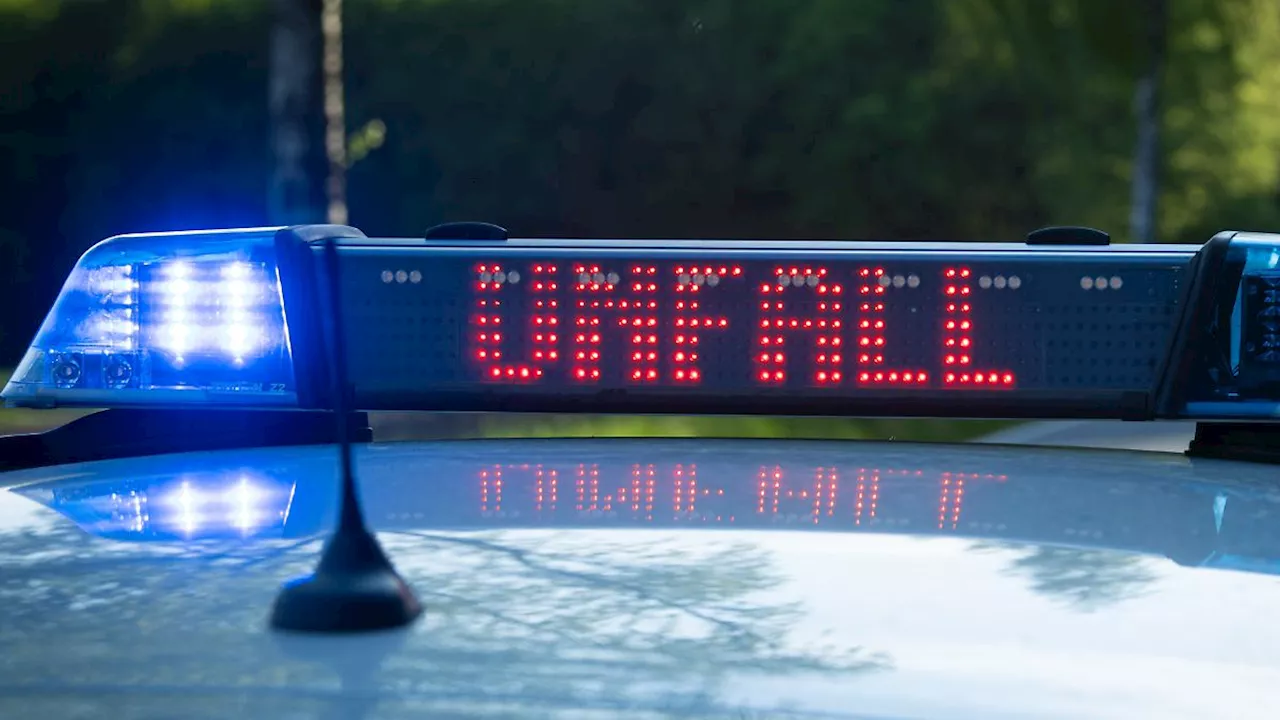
(679, 374)
(779, 357)
(511, 372)
(1007, 379)
(949, 378)
(965, 325)
(835, 358)
(979, 378)
(950, 273)
(964, 272)
(553, 355)
(893, 377)
(879, 377)
(950, 360)
(922, 377)
(764, 376)
(835, 377)
(822, 377)
(779, 376)
(524, 372)
(495, 372)
(951, 325)
(951, 290)
(635, 375)
(907, 377)
(737, 271)
(694, 375)
(864, 272)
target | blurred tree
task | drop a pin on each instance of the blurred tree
(296, 104)
(335, 128)
(776, 118)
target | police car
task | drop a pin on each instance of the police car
(227, 540)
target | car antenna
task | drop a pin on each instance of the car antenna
(354, 587)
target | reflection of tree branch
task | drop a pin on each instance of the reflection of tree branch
(540, 627)
(524, 558)
(587, 623)
(1085, 579)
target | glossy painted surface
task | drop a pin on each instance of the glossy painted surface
(615, 578)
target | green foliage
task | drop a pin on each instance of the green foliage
(898, 119)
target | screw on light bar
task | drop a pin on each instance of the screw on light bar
(164, 318)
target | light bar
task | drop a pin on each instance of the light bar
(164, 319)
(816, 328)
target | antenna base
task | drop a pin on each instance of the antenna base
(354, 589)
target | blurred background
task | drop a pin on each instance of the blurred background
(1156, 120)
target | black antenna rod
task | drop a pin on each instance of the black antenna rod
(354, 588)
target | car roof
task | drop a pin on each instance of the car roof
(655, 578)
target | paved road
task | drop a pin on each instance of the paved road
(1159, 436)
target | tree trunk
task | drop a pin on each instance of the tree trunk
(335, 123)
(1146, 155)
(296, 193)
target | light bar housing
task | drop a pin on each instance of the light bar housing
(676, 326)
(190, 318)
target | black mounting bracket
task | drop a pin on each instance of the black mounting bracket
(120, 433)
(1251, 442)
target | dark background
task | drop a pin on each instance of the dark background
(1156, 120)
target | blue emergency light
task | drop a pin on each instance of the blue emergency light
(480, 322)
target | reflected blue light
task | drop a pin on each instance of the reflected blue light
(195, 506)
